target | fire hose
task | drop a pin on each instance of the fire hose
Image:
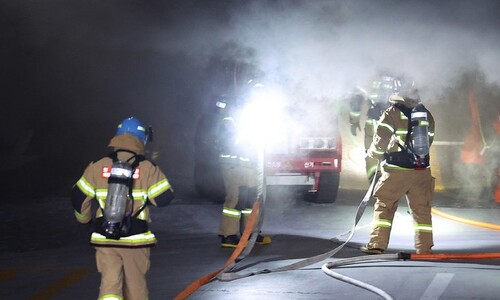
(224, 273)
(247, 240)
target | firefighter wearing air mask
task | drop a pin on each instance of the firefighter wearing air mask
(377, 100)
(404, 134)
(124, 183)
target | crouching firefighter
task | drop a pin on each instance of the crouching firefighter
(124, 183)
(402, 141)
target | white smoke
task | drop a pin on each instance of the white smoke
(332, 45)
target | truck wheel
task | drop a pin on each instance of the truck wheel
(328, 189)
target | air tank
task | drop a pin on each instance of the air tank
(420, 131)
(118, 193)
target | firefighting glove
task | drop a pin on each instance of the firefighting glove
(354, 128)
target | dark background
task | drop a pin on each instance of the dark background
(70, 71)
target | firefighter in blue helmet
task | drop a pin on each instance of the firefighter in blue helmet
(124, 183)
(404, 134)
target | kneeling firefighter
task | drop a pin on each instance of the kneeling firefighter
(123, 183)
(402, 141)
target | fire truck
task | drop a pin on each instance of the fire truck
(308, 156)
(302, 149)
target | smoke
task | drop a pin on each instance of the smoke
(326, 46)
(165, 60)
(329, 46)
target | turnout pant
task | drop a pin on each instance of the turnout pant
(123, 272)
(418, 186)
(240, 183)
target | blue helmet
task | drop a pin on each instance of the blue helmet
(134, 127)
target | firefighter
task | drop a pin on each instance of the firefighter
(238, 164)
(402, 140)
(377, 101)
(123, 246)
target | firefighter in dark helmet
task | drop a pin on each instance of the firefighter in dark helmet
(124, 183)
(238, 161)
(377, 101)
(404, 134)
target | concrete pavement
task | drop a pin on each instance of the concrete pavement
(188, 248)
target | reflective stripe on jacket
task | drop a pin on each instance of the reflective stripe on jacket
(149, 182)
(391, 131)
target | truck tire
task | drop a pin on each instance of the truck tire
(328, 189)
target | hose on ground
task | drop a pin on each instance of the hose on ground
(326, 268)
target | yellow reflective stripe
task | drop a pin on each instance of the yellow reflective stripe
(231, 212)
(100, 194)
(246, 211)
(158, 188)
(402, 116)
(142, 215)
(139, 195)
(85, 187)
(382, 223)
(423, 227)
(401, 139)
(423, 123)
(133, 239)
(102, 202)
(394, 167)
(379, 152)
(355, 114)
(110, 297)
(244, 159)
(81, 217)
(386, 126)
(431, 133)
(371, 171)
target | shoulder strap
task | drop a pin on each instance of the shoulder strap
(407, 112)
(136, 157)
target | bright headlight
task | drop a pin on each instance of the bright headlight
(263, 116)
(317, 143)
